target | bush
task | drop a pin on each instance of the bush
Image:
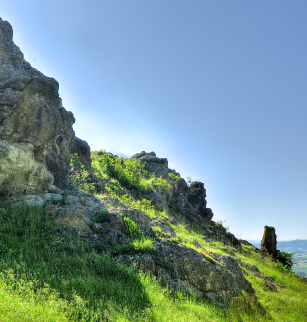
(81, 178)
(132, 229)
(173, 177)
(162, 185)
(127, 172)
(285, 259)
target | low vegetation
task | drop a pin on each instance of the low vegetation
(48, 272)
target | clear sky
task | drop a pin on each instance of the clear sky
(217, 87)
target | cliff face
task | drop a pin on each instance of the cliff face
(35, 129)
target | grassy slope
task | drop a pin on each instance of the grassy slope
(48, 274)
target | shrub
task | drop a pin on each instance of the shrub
(162, 185)
(174, 240)
(173, 177)
(127, 172)
(102, 216)
(81, 178)
(132, 229)
(285, 259)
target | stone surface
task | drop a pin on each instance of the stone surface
(218, 279)
(35, 129)
(83, 150)
(156, 165)
(269, 241)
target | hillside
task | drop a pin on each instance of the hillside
(299, 249)
(90, 236)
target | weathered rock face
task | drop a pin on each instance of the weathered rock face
(191, 201)
(154, 164)
(83, 150)
(269, 241)
(215, 276)
(35, 129)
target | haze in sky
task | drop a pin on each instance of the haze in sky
(217, 87)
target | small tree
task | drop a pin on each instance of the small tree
(286, 259)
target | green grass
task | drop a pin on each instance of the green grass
(47, 273)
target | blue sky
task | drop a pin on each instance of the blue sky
(217, 87)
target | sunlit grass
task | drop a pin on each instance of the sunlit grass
(48, 274)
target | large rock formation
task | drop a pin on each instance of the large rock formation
(101, 222)
(191, 201)
(159, 166)
(35, 129)
(269, 241)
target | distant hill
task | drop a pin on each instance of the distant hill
(297, 246)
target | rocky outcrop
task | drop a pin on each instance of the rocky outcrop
(269, 241)
(190, 201)
(83, 151)
(35, 129)
(156, 165)
(101, 223)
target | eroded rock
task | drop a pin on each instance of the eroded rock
(35, 129)
(269, 241)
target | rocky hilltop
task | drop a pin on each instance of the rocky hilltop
(145, 205)
(35, 129)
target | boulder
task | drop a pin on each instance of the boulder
(156, 165)
(35, 129)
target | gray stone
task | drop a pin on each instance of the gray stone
(35, 129)
(83, 150)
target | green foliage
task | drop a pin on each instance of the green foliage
(285, 259)
(41, 252)
(132, 229)
(189, 181)
(163, 186)
(143, 245)
(173, 177)
(174, 240)
(102, 216)
(127, 172)
(81, 178)
(144, 205)
(75, 160)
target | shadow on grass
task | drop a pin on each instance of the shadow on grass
(247, 306)
(34, 245)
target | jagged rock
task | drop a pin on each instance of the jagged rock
(180, 187)
(35, 129)
(197, 274)
(190, 201)
(154, 164)
(83, 150)
(269, 241)
(197, 197)
(158, 199)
